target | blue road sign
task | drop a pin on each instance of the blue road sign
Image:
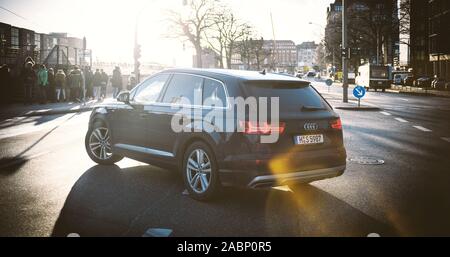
(329, 82)
(359, 92)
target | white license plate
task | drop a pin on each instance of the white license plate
(309, 140)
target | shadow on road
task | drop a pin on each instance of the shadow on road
(109, 201)
(10, 165)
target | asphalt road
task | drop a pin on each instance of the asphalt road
(49, 186)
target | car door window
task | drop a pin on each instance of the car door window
(150, 89)
(214, 94)
(184, 89)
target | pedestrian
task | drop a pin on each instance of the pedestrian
(5, 83)
(116, 81)
(67, 90)
(51, 85)
(42, 75)
(28, 77)
(60, 84)
(76, 84)
(131, 82)
(104, 83)
(97, 85)
(89, 77)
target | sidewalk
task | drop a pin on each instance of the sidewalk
(418, 91)
(17, 110)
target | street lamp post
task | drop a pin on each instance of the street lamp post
(137, 50)
(344, 57)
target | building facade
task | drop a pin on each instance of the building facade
(19, 43)
(418, 39)
(209, 59)
(439, 37)
(283, 55)
(307, 55)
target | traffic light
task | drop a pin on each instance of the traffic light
(137, 52)
(346, 53)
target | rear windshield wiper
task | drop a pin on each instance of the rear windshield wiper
(312, 108)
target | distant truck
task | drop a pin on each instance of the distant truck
(373, 76)
(351, 78)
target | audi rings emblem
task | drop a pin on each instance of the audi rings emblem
(311, 126)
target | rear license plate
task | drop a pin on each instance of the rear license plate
(309, 139)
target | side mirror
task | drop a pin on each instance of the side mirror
(124, 97)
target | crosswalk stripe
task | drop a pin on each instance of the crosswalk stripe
(422, 129)
(401, 120)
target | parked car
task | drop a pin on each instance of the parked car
(299, 75)
(424, 82)
(310, 75)
(409, 81)
(399, 79)
(439, 84)
(139, 126)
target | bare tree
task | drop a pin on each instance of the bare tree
(216, 35)
(235, 31)
(193, 26)
(372, 26)
(252, 52)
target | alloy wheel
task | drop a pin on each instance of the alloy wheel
(198, 171)
(99, 143)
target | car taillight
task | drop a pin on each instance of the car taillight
(255, 128)
(336, 124)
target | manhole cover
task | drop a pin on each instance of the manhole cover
(366, 161)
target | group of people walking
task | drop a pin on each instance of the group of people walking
(74, 85)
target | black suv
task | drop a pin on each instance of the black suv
(139, 126)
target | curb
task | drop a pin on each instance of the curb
(356, 108)
(425, 94)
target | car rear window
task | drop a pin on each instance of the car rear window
(293, 96)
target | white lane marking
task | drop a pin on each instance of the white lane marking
(446, 139)
(406, 100)
(401, 120)
(422, 129)
(386, 113)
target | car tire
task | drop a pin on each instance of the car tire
(200, 172)
(98, 147)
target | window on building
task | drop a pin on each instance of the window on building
(14, 37)
(37, 41)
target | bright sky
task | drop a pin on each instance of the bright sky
(109, 24)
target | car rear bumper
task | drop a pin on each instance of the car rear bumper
(257, 170)
(297, 177)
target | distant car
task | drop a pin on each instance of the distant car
(424, 82)
(139, 126)
(310, 74)
(399, 79)
(409, 81)
(439, 84)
